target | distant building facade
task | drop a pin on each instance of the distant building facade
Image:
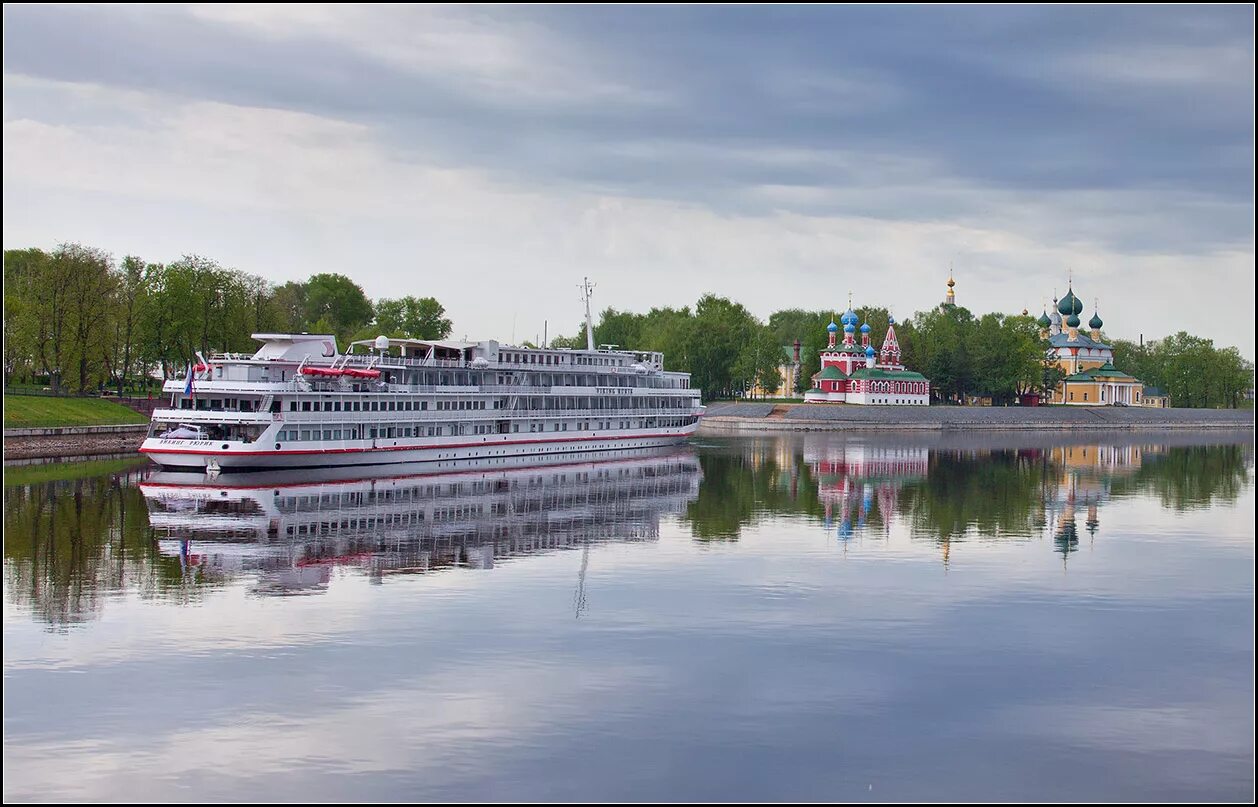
(788, 372)
(1091, 379)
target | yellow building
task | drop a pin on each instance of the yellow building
(1088, 363)
(788, 372)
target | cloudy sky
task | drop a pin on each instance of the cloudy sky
(783, 157)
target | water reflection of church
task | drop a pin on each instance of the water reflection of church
(1080, 481)
(291, 532)
(946, 493)
(852, 477)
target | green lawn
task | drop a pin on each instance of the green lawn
(27, 411)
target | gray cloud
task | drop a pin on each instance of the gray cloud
(1107, 130)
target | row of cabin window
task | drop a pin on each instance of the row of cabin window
(315, 432)
(562, 402)
(534, 404)
(219, 404)
(357, 406)
(545, 358)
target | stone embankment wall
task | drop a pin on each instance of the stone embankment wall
(768, 417)
(72, 441)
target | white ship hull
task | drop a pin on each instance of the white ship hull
(235, 456)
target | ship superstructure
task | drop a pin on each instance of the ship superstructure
(300, 402)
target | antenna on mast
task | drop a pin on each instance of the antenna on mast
(586, 289)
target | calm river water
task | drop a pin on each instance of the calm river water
(816, 617)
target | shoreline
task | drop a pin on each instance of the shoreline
(71, 443)
(770, 417)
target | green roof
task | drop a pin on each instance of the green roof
(1106, 370)
(830, 373)
(841, 348)
(878, 373)
(1154, 392)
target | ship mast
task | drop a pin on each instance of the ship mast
(586, 288)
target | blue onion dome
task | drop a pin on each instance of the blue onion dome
(849, 328)
(1044, 321)
(832, 327)
(869, 351)
(1070, 305)
(1073, 322)
(1054, 318)
(890, 320)
(865, 328)
(849, 318)
(1095, 323)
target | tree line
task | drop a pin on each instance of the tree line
(1190, 369)
(725, 348)
(78, 321)
(75, 319)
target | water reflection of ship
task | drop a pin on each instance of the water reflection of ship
(851, 478)
(290, 529)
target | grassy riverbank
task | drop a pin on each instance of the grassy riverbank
(33, 411)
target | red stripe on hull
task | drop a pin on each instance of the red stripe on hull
(429, 447)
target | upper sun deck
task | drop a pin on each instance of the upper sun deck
(296, 361)
(400, 354)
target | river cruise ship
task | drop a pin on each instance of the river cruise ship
(298, 402)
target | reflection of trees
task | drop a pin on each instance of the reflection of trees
(1190, 477)
(996, 492)
(993, 491)
(737, 488)
(70, 544)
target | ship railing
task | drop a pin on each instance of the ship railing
(460, 415)
(343, 387)
(458, 364)
(251, 416)
(408, 362)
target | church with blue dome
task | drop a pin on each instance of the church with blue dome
(858, 374)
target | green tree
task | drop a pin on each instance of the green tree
(24, 270)
(573, 342)
(1008, 356)
(759, 359)
(289, 306)
(940, 343)
(122, 347)
(337, 301)
(620, 328)
(412, 317)
(87, 276)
